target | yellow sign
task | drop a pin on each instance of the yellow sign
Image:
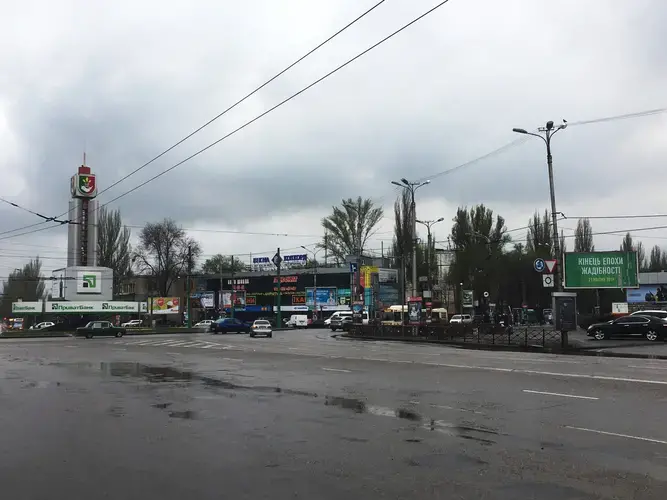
(365, 276)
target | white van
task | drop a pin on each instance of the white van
(298, 321)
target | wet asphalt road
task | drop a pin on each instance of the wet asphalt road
(303, 415)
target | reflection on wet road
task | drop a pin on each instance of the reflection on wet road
(264, 419)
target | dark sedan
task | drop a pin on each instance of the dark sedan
(650, 327)
(100, 328)
(230, 325)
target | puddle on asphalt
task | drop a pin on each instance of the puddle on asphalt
(166, 374)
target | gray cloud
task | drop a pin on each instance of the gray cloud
(446, 91)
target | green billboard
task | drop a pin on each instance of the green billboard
(601, 270)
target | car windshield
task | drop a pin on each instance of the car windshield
(456, 316)
(262, 322)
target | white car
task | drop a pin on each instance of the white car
(133, 323)
(656, 313)
(261, 327)
(204, 324)
(43, 324)
(460, 319)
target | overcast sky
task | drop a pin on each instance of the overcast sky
(124, 80)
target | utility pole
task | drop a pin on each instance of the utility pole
(326, 244)
(277, 260)
(549, 131)
(187, 286)
(412, 187)
(220, 304)
(233, 301)
(429, 224)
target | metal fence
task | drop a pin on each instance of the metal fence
(542, 336)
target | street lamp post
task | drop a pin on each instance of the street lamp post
(315, 315)
(429, 224)
(412, 187)
(549, 131)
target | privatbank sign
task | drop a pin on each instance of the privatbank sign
(94, 307)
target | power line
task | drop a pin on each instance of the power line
(261, 115)
(626, 116)
(637, 216)
(219, 115)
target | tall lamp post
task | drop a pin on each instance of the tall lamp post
(546, 133)
(412, 187)
(429, 224)
(315, 315)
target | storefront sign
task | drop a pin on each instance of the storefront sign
(233, 296)
(89, 307)
(601, 270)
(206, 299)
(27, 307)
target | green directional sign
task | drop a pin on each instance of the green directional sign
(601, 270)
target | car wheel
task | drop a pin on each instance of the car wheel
(333, 329)
(599, 335)
(270, 335)
(651, 335)
(89, 335)
(119, 334)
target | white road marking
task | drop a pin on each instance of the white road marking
(559, 394)
(208, 346)
(232, 359)
(119, 349)
(648, 367)
(627, 436)
(552, 374)
(336, 370)
(175, 353)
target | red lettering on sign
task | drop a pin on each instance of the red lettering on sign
(286, 279)
(250, 300)
(298, 300)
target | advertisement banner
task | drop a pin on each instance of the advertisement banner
(647, 293)
(237, 296)
(206, 299)
(414, 310)
(357, 311)
(165, 305)
(89, 307)
(344, 297)
(365, 277)
(601, 270)
(27, 307)
(88, 282)
(388, 275)
(467, 298)
(326, 296)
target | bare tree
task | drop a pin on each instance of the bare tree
(349, 226)
(26, 284)
(583, 236)
(656, 260)
(166, 252)
(113, 245)
(628, 245)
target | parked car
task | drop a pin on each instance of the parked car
(100, 328)
(261, 327)
(204, 324)
(133, 323)
(336, 322)
(658, 313)
(634, 325)
(461, 319)
(42, 325)
(229, 325)
(346, 323)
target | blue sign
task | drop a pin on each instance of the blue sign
(539, 265)
(326, 296)
(260, 260)
(353, 267)
(295, 258)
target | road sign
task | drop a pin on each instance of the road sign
(601, 270)
(547, 280)
(551, 265)
(353, 267)
(423, 279)
(486, 295)
(277, 259)
(539, 265)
